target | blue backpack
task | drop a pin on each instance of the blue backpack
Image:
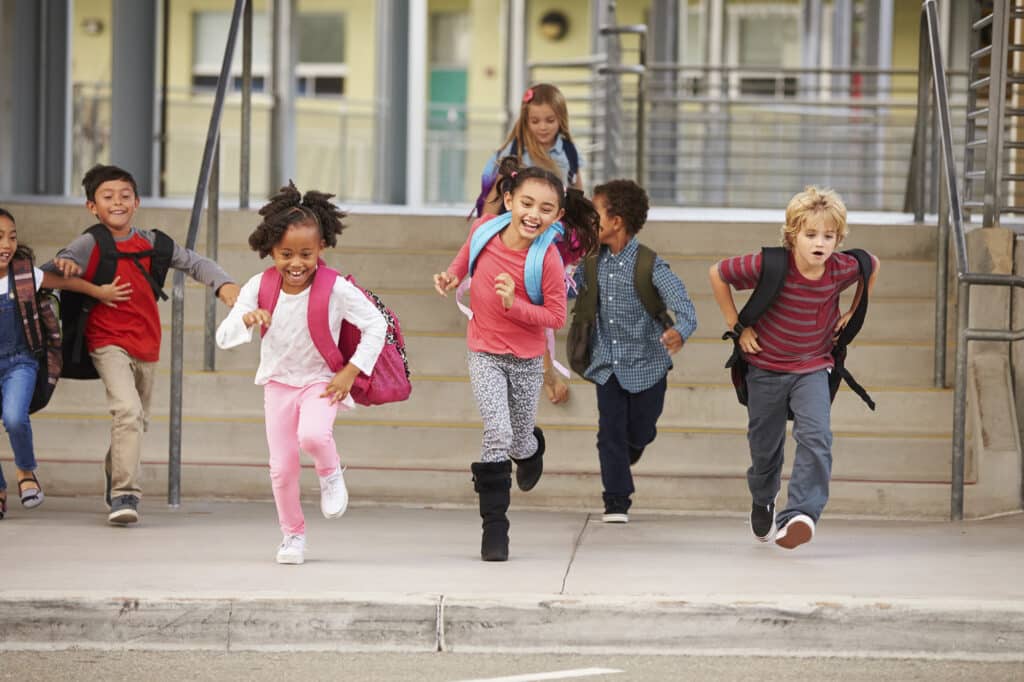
(487, 180)
(534, 267)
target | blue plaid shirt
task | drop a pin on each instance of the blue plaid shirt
(626, 340)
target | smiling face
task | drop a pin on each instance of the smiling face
(114, 205)
(534, 206)
(542, 124)
(813, 245)
(8, 243)
(295, 256)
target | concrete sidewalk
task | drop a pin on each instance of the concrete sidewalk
(395, 578)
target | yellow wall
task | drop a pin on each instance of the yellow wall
(91, 54)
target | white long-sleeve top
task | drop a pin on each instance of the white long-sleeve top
(287, 353)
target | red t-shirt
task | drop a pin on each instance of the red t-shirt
(133, 325)
(795, 333)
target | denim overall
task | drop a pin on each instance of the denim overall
(18, 369)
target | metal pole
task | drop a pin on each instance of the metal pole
(245, 139)
(996, 104)
(212, 223)
(641, 138)
(177, 368)
(956, 496)
(921, 122)
(941, 286)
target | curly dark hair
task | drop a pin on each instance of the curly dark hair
(627, 200)
(581, 221)
(290, 207)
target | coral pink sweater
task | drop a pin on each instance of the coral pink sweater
(520, 329)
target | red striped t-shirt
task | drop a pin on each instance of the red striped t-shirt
(795, 333)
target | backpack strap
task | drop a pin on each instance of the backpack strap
(534, 267)
(643, 283)
(574, 159)
(852, 328)
(585, 308)
(774, 265)
(316, 309)
(22, 282)
(159, 259)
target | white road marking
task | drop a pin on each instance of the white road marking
(557, 675)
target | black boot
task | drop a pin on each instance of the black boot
(493, 481)
(528, 470)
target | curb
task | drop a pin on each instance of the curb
(970, 630)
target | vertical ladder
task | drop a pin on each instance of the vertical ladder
(993, 158)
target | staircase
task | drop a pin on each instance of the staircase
(893, 462)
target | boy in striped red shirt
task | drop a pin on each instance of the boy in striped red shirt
(788, 351)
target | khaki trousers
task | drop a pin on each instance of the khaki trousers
(129, 384)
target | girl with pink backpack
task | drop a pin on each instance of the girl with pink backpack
(299, 302)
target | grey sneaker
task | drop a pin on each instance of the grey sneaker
(124, 510)
(292, 550)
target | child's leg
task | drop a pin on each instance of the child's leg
(612, 444)
(281, 408)
(525, 378)
(129, 385)
(768, 398)
(812, 430)
(490, 383)
(644, 410)
(16, 386)
(316, 428)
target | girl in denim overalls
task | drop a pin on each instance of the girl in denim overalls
(19, 367)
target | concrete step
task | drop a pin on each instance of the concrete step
(702, 360)
(449, 399)
(47, 226)
(429, 463)
(422, 310)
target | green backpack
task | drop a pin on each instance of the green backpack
(584, 312)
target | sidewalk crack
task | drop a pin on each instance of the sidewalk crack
(575, 548)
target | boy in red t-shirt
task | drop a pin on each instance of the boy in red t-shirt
(789, 353)
(124, 341)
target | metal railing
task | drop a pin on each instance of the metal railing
(951, 223)
(209, 168)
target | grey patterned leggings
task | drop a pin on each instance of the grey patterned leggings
(506, 389)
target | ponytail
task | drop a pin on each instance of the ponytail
(290, 207)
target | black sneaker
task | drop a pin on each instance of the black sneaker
(124, 510)
(616, 510)
(762, 520)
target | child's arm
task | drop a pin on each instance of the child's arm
(73, 258)
(552, 314)
(359, 311)
(204, 270)
(457, 269)
(237, 327)
(673, 293)
(723, 297)
(857, 296)
(108, 294)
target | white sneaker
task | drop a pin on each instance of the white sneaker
(797, 531)
(292, 550)
(333, 494)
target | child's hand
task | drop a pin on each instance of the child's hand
(748, 342)
(67, 267)
(228, 293)
(672, 341)
(110, 293)
(505, 288)
(445, 282)
(555, 387)
(841, 324)
(259, 315)
(339, 386)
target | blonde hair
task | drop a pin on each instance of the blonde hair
(542, 93)
(814, 202)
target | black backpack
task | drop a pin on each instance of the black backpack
(487, 183)
(584, 312)
(774, 265)
(75, 308)
(37, 311)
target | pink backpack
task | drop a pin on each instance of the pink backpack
(389, 381)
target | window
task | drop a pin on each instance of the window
(320, 36)
(763, 36)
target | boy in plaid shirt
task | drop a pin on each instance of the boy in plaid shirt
(630, 352)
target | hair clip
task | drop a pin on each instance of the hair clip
(528, 95)
(514, 174)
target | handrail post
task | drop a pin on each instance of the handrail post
(178, 292)
(245, 134)
(921, 123)
(641, 140)
(212, 229)
(956, 497)
(941, 283)
(996, 99)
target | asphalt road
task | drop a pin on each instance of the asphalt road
(198, 666)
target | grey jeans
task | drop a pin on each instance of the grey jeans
(771, 395)
(507, 389)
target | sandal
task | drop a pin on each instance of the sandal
(30, 497)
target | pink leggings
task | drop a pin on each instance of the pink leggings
(297, 418)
